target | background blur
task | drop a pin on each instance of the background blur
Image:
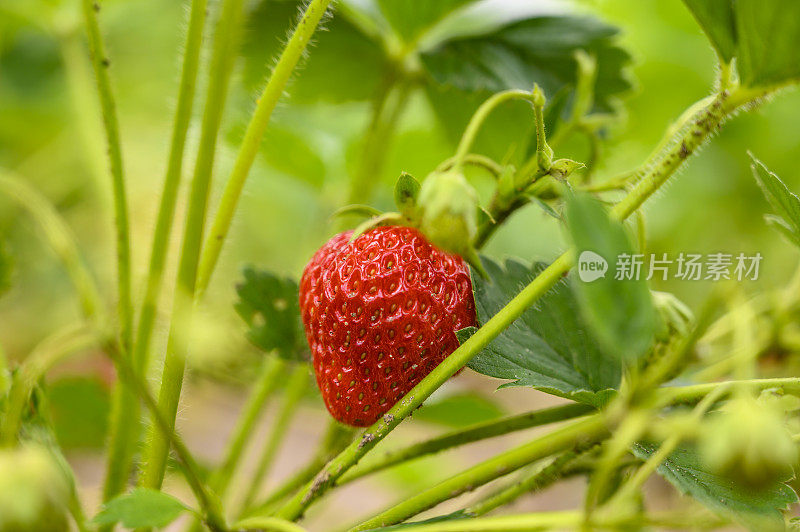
(50, 135)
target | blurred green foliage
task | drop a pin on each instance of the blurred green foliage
(49, 133)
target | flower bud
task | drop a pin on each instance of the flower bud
(448, 208)
(33, 491)
(748, 442)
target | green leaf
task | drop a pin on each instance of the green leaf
(716, 19)
(410, 18)
(142, 507)
(459, 410)
(620, 312)
(405, 194)
(549, 347)
(290, 153)
(783, 228)
(783, 201)
(769, 41)
(759, 512)
(79, 408)
(534, 50)
(507, 133)
(269, 305)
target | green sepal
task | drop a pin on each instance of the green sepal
(356, 210)
(474, 261)
(406, 192)
(388, 218)
(562, 168)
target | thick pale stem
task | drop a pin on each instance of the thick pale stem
(252, 139)
(125, 429)
(295, 387)
(222, 58)
(271, 375)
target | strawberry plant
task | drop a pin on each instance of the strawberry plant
(404, 317)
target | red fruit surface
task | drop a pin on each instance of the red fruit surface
(380, 313)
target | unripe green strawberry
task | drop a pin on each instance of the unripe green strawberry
(749, 443)
(380, 313)
(33, 491)
(448, 211)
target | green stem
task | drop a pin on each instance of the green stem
(480, 116)
(387, 106)
(474, 159)
(166, 429)
(635, 483)
(540, 162)
(100, 63)
(48, 353)
(336, 438)
(580, 432)
(60, 238)
(706, 123)
(252, 139)
(270, 524)
(693, 393)
(222, 58)
(481, 431)
(272, 373)
(570, 520)
(544, 476)
(125, 427)
(295, 388)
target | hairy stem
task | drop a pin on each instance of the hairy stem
(166, 428)
(100, 63)
(580, 432)
(481, 431)
(223, 54)
(295, 387)
(336, 438)
(543, 476)
(271, 375)
(252, 139)
(480, 116)
(693, 393)
(705, 123)
(125, 427)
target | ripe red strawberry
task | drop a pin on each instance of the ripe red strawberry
(380, 313)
